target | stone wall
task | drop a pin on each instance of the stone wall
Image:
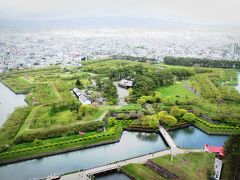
(161, 171)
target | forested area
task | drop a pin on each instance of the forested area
(187, 61)
(232, 158)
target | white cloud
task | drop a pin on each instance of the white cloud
(219, 11)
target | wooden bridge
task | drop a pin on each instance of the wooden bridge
(167, 137)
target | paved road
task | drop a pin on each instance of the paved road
(122, 94)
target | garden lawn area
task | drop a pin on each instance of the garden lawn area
(176, 91)
(188, 166)
(40, 118)
(18, 84)
(42, 94)
(43, 119)
(140, 172)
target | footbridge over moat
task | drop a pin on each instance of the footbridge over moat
(167, 137)
(85, 174)
(174, 150)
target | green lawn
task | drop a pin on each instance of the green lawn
(39, 118)
(42, 94)
(177, 91)
(188, 166)
(46, 120)
(141, 172)
(17, 84)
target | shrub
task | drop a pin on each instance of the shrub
(177, 112)
(189, 117)
(112, 121)
(37, 142)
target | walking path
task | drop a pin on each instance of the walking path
(174, 150)
(84, 174)
(122, 94)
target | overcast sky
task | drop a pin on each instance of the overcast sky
(203, 11)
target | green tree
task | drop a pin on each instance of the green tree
(74, 107)
(177, 112)
(154, 123)
(79, 84)
(37, 142)
(232, 157)
(110, 92)
(161, 116)
(189, 117)
(170, 120)
(165, 118)
(112, 121)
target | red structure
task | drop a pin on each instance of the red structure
(214, 149)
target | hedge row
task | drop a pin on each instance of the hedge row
(92, 137)
(57, 131)
(216, 126)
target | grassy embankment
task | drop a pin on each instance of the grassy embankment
(178, 91)
(140, 172)
(185, 166)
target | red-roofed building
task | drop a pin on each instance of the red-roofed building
(214, 149)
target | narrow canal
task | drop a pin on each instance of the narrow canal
(8, 102)
(192, 137)
(131, 144)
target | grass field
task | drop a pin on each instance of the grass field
(45, 120)
(40, 118)
(177, 91)
(188, 166)
(141, 172)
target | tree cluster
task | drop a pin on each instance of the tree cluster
(187, 61)
(232, 157)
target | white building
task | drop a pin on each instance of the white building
(125, 83)
(82, 96)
